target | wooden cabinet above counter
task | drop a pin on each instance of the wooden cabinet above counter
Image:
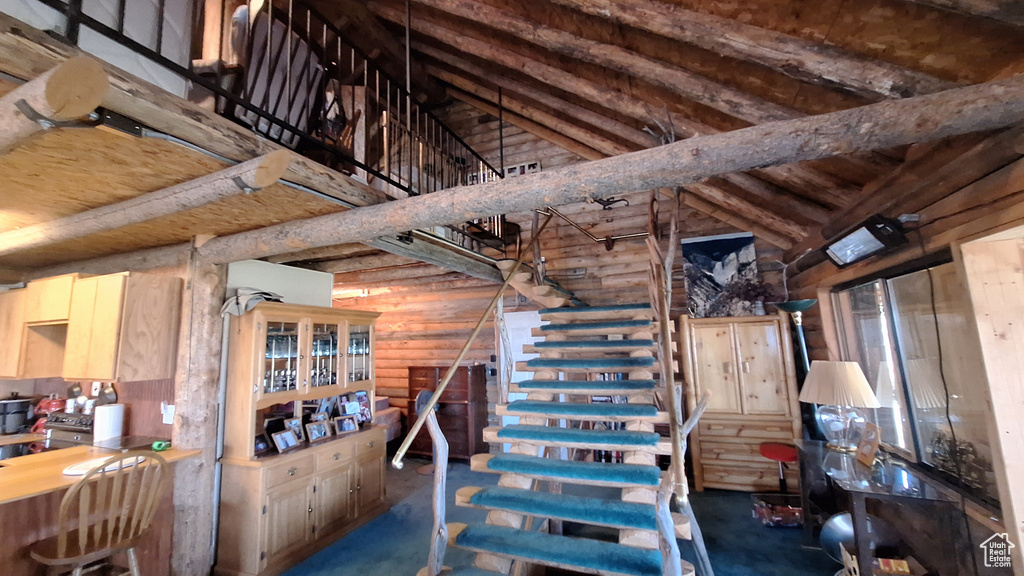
(114, 328)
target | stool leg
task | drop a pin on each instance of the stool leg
(782, 479)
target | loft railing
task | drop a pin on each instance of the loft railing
(284, 70)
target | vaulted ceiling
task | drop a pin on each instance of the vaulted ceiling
(614, 76)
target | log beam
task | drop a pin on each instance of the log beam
(1006, 11)
(610, 125)
(734, 220)
(981, 107)
(795, 57)
(610, 99)
(362, 263)
(567, 129)
(68, 91)
(248, 177)
(723, 198)
(195, 415)
(544, 133)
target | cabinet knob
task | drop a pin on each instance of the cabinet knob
(371, 443)
(302, 357)
(350, 490)
(359, 487)
(310, 510)
(337, 455)
(292, 471)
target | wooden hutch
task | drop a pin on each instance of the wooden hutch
(278, 509)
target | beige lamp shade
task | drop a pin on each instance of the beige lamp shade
(925, 381)
(838, 384)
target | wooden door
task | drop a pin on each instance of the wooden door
(94, 327)
(334, 504)
(369, 484)
(11, 326)
(714, 367)
(762, 370)
(288, 517)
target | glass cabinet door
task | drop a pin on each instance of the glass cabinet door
(324, 361)
(282, 358)
(359, 355)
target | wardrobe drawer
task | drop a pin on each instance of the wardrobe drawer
(371, 442)
(450, 394)
(744, 429)
(337, 454)
(748, 478)
(732, 451)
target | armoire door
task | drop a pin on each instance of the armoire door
(762, 371)
(714, 367)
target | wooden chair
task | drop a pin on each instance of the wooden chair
(105, 513)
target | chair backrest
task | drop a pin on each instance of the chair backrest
(112, 503)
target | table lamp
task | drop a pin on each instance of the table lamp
(840, 390)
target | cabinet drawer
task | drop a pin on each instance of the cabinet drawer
(371, 442)
(733, 451)
(742, 429)
(282, 473)
(425, 373)
(754, 479)
(337, 453)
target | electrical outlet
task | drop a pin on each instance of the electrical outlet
(96, 388)
(167, 411)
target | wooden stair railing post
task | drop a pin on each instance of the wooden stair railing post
(703, 563)
(439, 537)
(418, 425)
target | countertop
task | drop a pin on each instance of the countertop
(20, 439)
(35, 474)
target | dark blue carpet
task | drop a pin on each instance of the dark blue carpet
(396, 543)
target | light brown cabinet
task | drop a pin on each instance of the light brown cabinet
(48, 299)
(122, 328)
(11, 326)
(281, 508)
(747, 364)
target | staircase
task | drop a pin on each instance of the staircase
(580, 345)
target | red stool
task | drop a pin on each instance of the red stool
(783, 454)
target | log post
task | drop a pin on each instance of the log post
(247, 176)
(68, 91)
(195, 417)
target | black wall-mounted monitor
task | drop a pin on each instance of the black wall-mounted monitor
(872, 237)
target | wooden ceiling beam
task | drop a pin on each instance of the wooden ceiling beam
(66, 92)
(363, 263)
(795, 57)
(248, 177)
(981, 107)
(567, 129)
(542, 132)
(771, 219)
(695, 201)
(721, 97)
(638, 137)
(1006, 11)
(604, 97)
(322, 253)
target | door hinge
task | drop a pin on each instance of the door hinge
(264, 509)
(263, 555)
(314, 489)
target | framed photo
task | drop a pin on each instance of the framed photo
(285, 440)
(319, 417)
(365, 415)
(350, 408)
(295, 425)
(346, 424)
(318, 431)
(261, 445)
(868, 447)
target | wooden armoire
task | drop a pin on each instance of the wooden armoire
(747, 363)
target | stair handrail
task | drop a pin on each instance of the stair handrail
(396, 462)
(703, 564)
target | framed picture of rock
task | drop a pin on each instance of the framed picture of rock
(717, 270)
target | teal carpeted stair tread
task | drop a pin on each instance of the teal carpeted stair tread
(595, 363)
(587, 472)
(592, 555)
(613, 308)
(599, 511)
(585, 409)
(596, 344)
(610, 325)
(596, 385)
(625, 438)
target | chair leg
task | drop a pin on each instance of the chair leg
(782, 479)
(77, 571)
(133, 562)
